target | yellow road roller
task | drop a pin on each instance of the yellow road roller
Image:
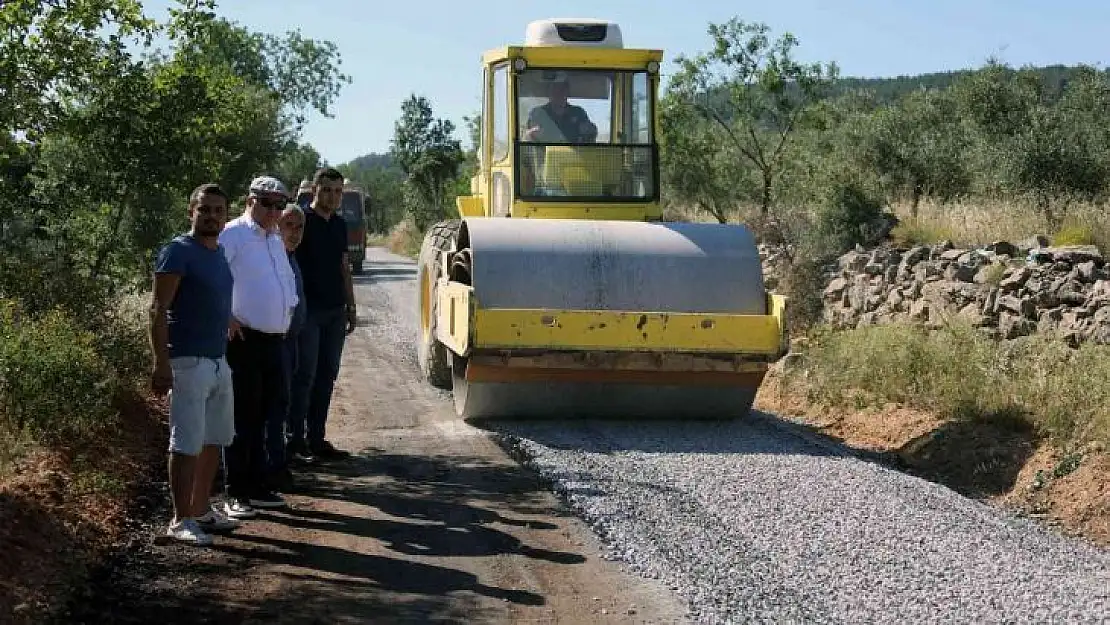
(560, 292)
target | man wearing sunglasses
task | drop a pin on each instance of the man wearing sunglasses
(264, 296)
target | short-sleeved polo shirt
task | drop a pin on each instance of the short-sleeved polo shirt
(320, 256)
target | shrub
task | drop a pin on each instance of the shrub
(910, 232)
(1079, 234)
(959, 373)
(41, 281)
(54, 384)
(122, 331)
(803, 283)
(405, 239)
(848, 215)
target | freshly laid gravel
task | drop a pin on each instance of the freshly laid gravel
(750, 522)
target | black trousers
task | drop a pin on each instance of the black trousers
(257, 378)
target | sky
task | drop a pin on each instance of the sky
(433, 47)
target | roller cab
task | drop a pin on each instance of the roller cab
(559, 291)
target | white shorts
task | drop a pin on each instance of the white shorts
(202, 406)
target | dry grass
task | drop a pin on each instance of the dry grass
(404, 239)
(971, 222)
(961, 375)
(983, 221)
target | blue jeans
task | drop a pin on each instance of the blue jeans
(277, 421)
(319, 351)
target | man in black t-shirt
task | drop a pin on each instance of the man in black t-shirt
(330, 317)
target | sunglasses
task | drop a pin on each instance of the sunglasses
(272, 203)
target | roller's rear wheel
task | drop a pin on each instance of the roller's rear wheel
(434, 358)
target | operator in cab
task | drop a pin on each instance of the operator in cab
(558, 121)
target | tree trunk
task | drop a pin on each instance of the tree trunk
(1046, 209)
(765, 201)
(109, 243)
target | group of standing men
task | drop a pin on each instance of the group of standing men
(248, 323)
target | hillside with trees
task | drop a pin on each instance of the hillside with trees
(903, 132)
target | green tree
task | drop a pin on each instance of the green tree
(297, 164)
(696, 168)
(121, 140)
(917, 148)
(427, 152)
(753, 92)
(382, 179)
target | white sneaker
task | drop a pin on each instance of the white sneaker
(239, 509)
(215, 520)
(188, 531)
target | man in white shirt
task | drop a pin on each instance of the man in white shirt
(263, 298)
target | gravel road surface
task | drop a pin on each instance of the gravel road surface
(751, 522)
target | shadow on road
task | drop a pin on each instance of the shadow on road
(333, 558)
(387, 574)
(440, 496)
(978, 459)
(436, 488)
(381, 272)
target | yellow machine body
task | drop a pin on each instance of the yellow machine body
(560, 292)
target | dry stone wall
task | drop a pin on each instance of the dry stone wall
(1006, 290)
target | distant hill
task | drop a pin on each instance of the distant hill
(372, 161)
(891, 89)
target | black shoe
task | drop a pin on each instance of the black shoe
(267, 499)
(281, 481)
(327, 451)
(299, 452)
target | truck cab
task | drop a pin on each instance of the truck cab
(304, 194)
(353, 210)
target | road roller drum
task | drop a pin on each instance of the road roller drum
(613, 319)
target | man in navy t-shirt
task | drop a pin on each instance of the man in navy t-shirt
(331, 315)
(190, 316)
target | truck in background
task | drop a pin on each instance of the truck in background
(354, 208)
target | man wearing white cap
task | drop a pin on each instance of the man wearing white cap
(263, 298)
